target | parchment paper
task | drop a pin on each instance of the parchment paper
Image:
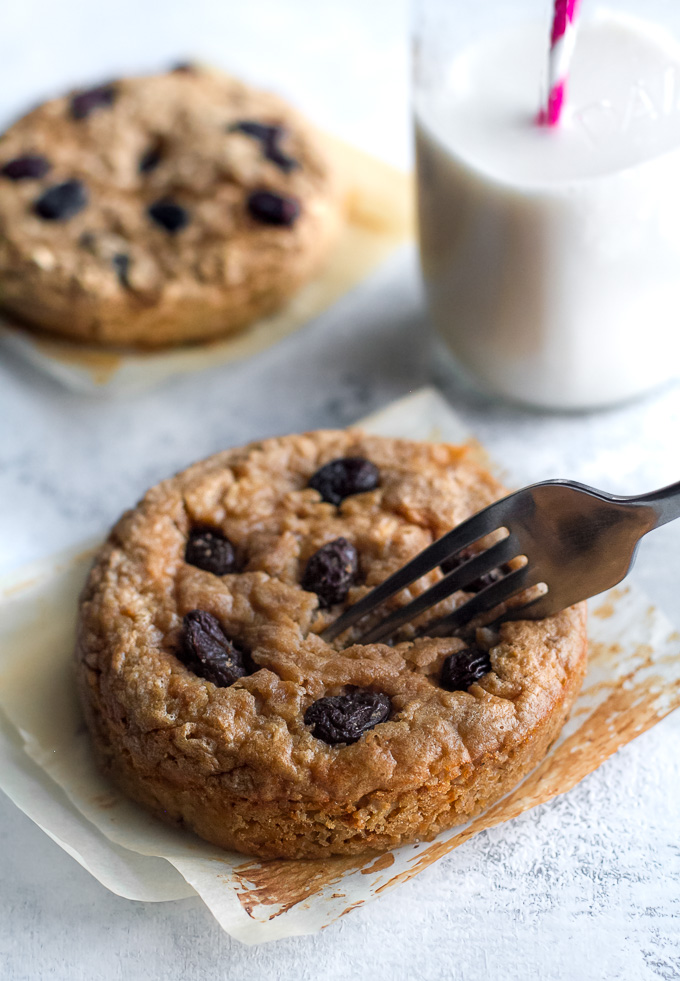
(633, 681)
(379, 204)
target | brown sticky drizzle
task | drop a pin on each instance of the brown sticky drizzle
(285, 883)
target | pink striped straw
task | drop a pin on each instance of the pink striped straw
(562, 41)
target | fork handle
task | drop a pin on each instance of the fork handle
(664, 502)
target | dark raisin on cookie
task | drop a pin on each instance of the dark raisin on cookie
(347, 475)
(273, 209)
(283, 160)
(331, 571)
(184, 68)
(150, 159)
(463, 668)
(269, 138)
(99, 97)
(211, 551)
(487, 579)
(62, 201)
(345, 718)
(259, 131)
(121, 263)
(29, 167)
(169, 215)
(209, 653)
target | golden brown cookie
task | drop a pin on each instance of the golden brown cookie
(160, 210)
(213, 701)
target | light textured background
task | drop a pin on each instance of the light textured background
(585, 887)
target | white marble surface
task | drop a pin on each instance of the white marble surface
(585, 887)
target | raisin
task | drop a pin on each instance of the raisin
(150, 159)
(121, 263)
(331, 571)
(477, 585)
(345, 718)
(462, 669)
(184, 68)
(269, 138)
(169, 215)
(208, 652)
(29, 167)
(62, 201)
(345, 476)
(211, 551)
(84, 103)
(283, 160)
(273, 209)
(259, 131)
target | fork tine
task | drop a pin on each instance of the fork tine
(487, 560)
(537, 608)
(490, 597)
(454, 541)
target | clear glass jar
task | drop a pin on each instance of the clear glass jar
(551, 257)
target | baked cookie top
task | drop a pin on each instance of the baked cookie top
(201, 620)
(162, 208)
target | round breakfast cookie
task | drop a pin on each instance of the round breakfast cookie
(159, 210)
(213, 700)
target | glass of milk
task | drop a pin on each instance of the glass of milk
(551, 257)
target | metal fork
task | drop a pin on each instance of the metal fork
(577, 541)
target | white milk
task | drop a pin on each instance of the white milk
(552, 257)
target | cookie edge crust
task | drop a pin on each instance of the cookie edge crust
(171, 324)
(377, 823)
